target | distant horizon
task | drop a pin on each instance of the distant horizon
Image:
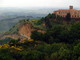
(40, 10)
(42, 7)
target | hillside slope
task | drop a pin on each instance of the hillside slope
(26, 29)
(22, 29)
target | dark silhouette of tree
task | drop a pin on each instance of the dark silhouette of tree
(37, 35)
(68, 17)
(48, 23)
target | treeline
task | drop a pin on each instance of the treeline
(59, 33)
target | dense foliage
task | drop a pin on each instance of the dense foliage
(5, 41)
(61, 41)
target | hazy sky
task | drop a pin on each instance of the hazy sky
(39, 3)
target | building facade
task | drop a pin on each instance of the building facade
(73, 12)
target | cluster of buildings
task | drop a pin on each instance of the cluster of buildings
(63, 12)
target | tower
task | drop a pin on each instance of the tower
(70, 7)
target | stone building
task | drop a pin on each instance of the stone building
(73, 12)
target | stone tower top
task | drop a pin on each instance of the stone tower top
(70, 7)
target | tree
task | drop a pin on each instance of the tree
(77, 49)
(53, 35)
(64, 54)
(75, 31)
(78, 58)
(47, 22)
(33, 55)
(13, 42)
(68, 17)
(36, 35)
(5, 54)
(54, 56)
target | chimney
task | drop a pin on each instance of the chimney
(70, 7)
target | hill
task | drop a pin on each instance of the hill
(6, 24)
(46, 39)
(23, 29)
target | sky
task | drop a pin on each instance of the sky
(39, 3)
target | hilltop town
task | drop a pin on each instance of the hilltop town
(73, 12)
